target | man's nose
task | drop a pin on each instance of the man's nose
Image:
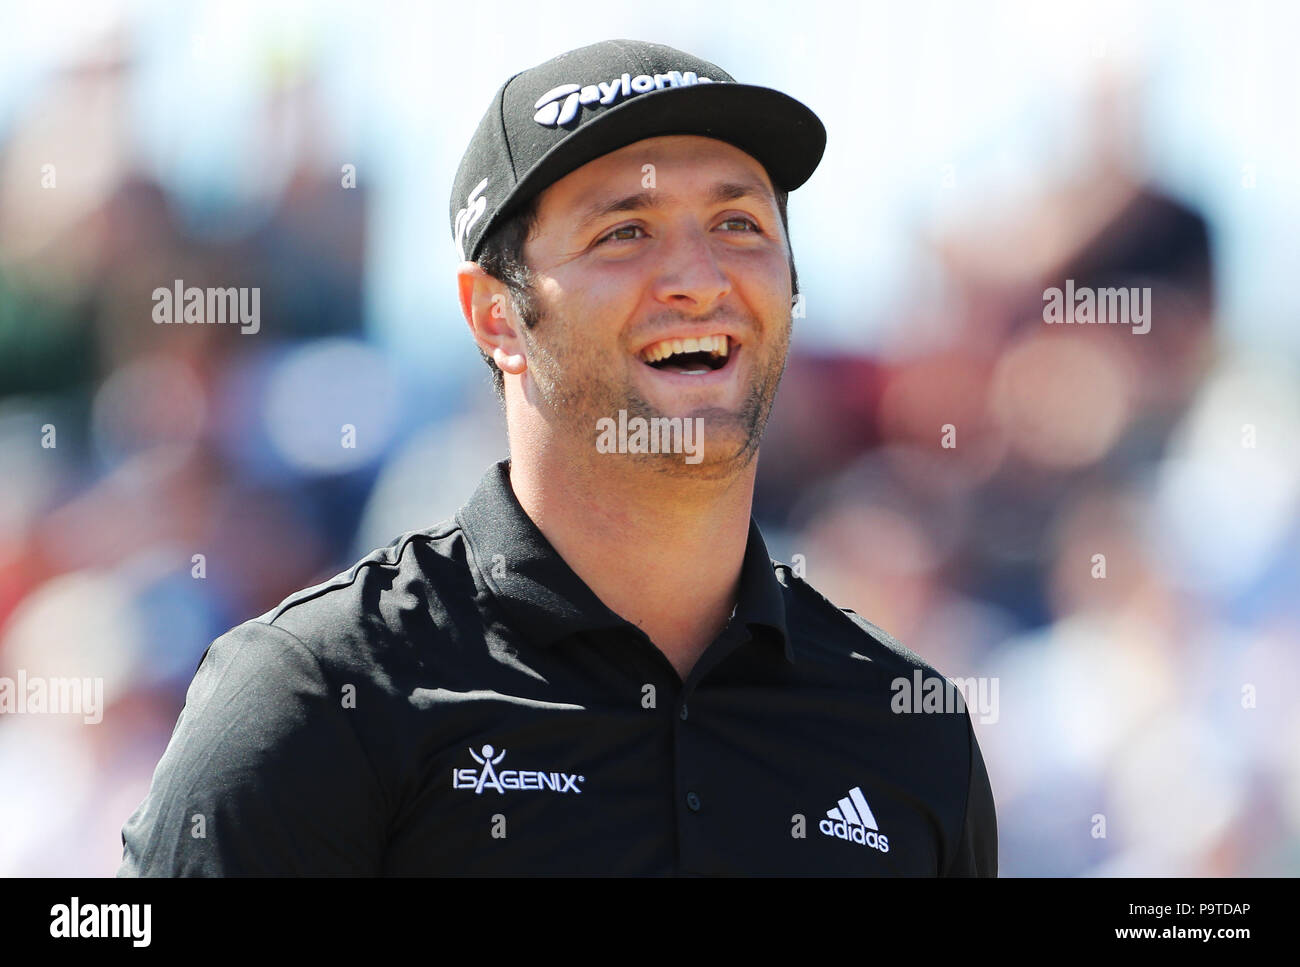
(689, 274)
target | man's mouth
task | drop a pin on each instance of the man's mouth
(689, 357)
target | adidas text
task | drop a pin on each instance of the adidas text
(851, 819)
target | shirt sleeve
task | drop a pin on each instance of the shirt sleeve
(977, 849)
(264, 773)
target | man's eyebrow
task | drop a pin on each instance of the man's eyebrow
(641, 200)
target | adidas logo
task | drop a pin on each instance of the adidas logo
(851, 819)
(560, 105)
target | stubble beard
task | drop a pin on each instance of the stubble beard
(567, 386)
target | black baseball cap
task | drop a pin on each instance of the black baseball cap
(554, 118)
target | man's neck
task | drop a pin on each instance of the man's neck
(663, 552)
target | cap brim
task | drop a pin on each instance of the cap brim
(783, 134)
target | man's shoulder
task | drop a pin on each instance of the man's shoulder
(413, 584)
(827, 633)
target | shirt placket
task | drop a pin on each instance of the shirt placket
(697, 767)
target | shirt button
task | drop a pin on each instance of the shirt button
(693, 801)
(683, 712)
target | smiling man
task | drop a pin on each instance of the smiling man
(594, 666)
(670, 305)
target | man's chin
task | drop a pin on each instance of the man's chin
(682, 437)
(703, 444)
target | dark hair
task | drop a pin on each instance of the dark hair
(502, 257)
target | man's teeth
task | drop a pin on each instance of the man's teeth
(717, 345)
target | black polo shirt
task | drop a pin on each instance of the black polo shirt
(460, 702)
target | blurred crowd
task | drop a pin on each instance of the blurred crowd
(196, 479)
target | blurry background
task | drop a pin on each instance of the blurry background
(978, 154)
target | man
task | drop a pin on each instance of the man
(594, 666)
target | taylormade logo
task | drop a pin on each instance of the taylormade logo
(475, 205)
(560, 105)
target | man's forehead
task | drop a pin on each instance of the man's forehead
(682, 144)
(612, 181)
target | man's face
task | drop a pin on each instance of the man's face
(671, 238)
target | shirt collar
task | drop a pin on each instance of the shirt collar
(544, 598)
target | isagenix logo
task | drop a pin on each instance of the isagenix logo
(487, 777)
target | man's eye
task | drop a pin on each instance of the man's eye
(753, 225)
(624, 238)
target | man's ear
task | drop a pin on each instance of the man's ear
(485, 303)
